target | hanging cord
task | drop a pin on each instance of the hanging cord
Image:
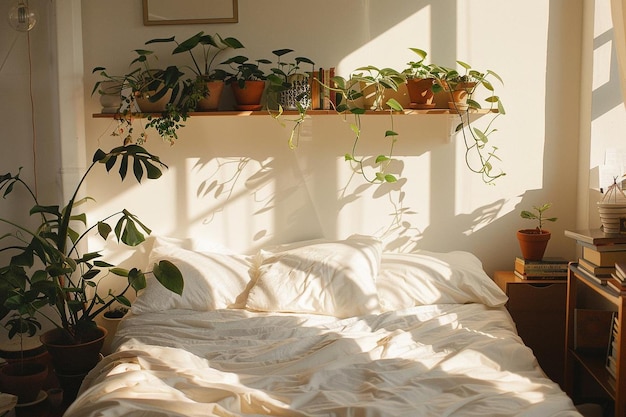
(32, 113)
(32, 101)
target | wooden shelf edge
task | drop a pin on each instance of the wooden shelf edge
(406, 112)
(595, 366)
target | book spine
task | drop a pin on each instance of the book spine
(523, 275)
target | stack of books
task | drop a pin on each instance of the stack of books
(599, 254)
(547, 268)
(612, 353)
(617, 281)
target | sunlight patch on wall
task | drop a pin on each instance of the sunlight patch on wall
(391, 48)
(602, 64)
(230, 196)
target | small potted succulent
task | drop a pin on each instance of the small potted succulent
(533, 242)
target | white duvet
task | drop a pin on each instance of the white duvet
(433, 360)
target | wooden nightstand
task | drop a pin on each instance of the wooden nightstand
(538, 308)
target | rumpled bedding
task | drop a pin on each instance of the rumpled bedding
(430, 360)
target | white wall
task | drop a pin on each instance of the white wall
(282, 195)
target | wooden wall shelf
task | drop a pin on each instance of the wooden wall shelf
(449, 126)
(407, 112)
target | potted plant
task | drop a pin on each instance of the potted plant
(49, 277)
(419, 82)
(152, 91)
(378, 85)
(289, 83)
(247, 80)
(110, 319)
(24, 374)
(350, 101)
(478, 157)
(204, 90)
(533, 242)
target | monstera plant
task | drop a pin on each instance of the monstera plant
(48, 278)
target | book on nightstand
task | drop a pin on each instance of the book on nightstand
(547, 268)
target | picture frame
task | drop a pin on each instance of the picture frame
(187, 12)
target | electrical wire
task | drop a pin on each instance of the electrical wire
(32, 113)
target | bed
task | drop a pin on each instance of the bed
(321, 328)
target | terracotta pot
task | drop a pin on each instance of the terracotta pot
(147, 106)
(23, 380)
(373, 102)
(73, 359)
(533, 243)
(420, 91)
(212, 100)
(249, 97)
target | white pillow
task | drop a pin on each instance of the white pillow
(212, 280)
(410, 279)
(335, 278)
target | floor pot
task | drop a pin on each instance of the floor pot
(212, 101)
(533, 243)
(249, 97)
(73, 359)
(23, 380)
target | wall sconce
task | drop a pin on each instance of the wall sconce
(22, 17)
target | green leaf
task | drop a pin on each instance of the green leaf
(119, 272)
(136, 279)
(91, 274)
(137, 169)
(281, 52)
(394, 104)
(104, 229)
(169, 276)
(390, 133)
(390, 178)
(381, 158)
(160, 40)
(123, 167)
(188, 44)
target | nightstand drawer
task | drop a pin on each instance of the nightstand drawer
(537, 298)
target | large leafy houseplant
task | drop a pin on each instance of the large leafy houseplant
(49, 278)
(207, 79)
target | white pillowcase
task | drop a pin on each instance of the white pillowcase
(422, 278)
(335, 278)
(212, 280)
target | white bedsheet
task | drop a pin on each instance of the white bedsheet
(436, 360)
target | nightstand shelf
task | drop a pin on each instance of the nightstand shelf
(586, 376)
(538, 310)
